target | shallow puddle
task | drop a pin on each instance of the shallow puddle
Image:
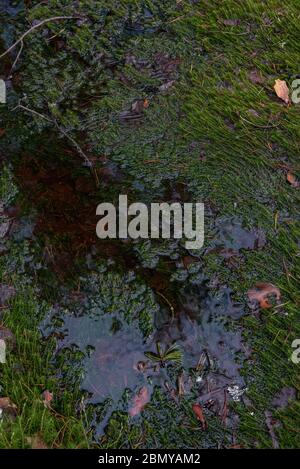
(113, 364)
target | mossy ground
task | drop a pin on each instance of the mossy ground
(223, 134)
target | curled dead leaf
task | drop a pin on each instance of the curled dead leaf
(262, 293)
(7, 408)
(291, 179)
(282, 91)
(198, 411)
(47, 398)
(139, 402)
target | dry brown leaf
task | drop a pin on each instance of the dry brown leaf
(7, 407)
(291, 179)
(261, 293)
(47, 397)
(36, 442)
(5, 402)
(139, 401)
(197, 409)
(282, 91)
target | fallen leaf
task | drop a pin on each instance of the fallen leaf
(7, 408)
(282, 91)
(139, 105)
(4, 402)
(187, 261)
(47, 398)
(139, 402)
(261, 293)
(2, 132)
(291, 179)
(36, 442)
(197, 409)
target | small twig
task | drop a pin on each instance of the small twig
(57, 34)
(167, 301)
(225, 409)
(75, 144)
(20, 106)
(17, 58)
(33, 28)
(260, 126)
(62, 131)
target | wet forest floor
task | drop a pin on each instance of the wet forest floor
(143, 343)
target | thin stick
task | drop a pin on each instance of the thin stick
(75, 144)
(167, 301)
(33, 28)
(63, 132)
(260, 126)
(32, 112)
(17, 58)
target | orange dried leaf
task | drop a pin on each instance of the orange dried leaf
(282, 91)
(197, 409)
(291, 179)
(262, 292)
(139, 402)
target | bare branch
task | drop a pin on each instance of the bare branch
(60, 129)
(33, 28)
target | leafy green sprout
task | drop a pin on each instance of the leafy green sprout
(170, 354)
